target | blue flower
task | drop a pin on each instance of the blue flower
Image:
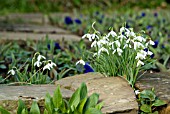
(143, 14)
(155, 14)
(97, 12)
(156, 44)
(56, 46)
(146, 49)
(163, 46)
(88, 68)
(127, 25)
(148, 27)
(48, 46)
(78, 21)
(68, 20)
(152, 56)
(100, 21)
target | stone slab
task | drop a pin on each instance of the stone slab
(160, 82)
(37, 36)
(32, 28)
(115, 92)
(9, 95)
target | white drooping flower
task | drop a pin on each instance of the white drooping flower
(39, 57)
(117, 43)
(103, 50)
(138, 45)
(49, 65)
(139, 63)
(141, 55)
(150, 42)
(112, 33)
(127, 45)
(12, 72)
(140, 39)
(90, 36)
(80, 62)
(38, 63)
(149, 52)
(119, 51)
(137, 92)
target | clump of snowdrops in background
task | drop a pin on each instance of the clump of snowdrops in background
(120, 54)
(34, 73)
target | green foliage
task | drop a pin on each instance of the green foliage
(79, 103)
(149, 102)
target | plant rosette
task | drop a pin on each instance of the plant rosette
(120, 54)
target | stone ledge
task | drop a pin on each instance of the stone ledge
(115, 92)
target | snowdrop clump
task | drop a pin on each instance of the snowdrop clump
(38, 73)
(120, 54)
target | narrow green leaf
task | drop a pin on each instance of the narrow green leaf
(57, 97)
(83, 91)
(146, 108)
(93, 111)
(49, 104)
(3, 111)
(21, 106)
(158, 103)
(34, 108)
(75, 99)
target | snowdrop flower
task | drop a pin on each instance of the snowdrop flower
(140, 39)
(112, 33)
(140, 63)
(130, 34)
(127, 45)
(103, 50)
(141, 55)
(87, 36)
(119, 51)
(38, 63)
(150, 42)
(12, 72)
(90, 36)
(149, 53)
(138, 45)
(49, 65)
(117, 43)
(80, 62)
(137, 92)
(121, 37)
(39, 57)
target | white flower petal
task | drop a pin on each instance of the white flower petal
(12, 72)
(140, 63)
(80, 62)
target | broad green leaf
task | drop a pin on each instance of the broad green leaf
(99, 106)
(81, 105)
(93, 111)
(83, 91)
(158, 103)
(148, 94)
(146, 108)
(57, 97)
(34, 108)
(21, 106)
(3, 111)
(92, 100)
(75, 99)
(49, 104)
